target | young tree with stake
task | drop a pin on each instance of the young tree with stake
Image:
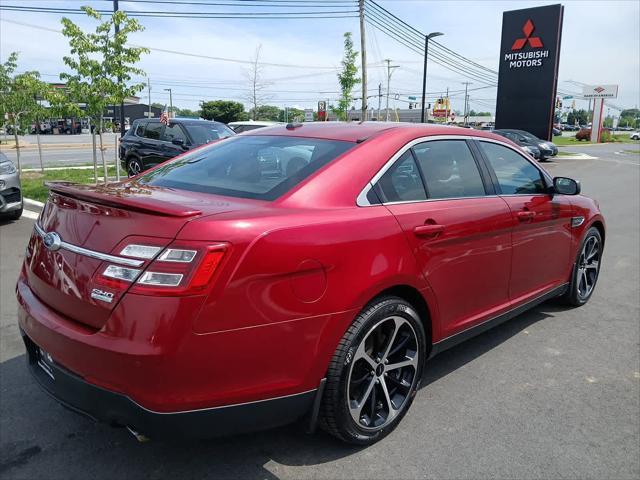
(347, 78)
(102, 65)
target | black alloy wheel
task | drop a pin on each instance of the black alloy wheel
(375, 372)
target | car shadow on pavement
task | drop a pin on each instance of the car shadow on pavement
(41, 439)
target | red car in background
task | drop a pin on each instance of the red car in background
(307, 270)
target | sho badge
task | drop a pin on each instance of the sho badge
(98, 294)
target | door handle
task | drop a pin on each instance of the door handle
(428, 230)
(526, 216)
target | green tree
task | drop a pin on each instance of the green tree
(224, 111)
(348, 78)
(20, 100)
(266, 113)
(293, 115)
(580, 117)
(101, 65)
(186, 113)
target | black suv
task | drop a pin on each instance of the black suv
(150, 142)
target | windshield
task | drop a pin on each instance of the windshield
(205, 132)
(258, 167)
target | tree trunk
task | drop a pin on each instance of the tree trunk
(104, 161)
(15, 136)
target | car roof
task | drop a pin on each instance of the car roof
(358, 131)
(193, 121)
(256, 122)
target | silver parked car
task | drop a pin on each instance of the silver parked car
(10, 190)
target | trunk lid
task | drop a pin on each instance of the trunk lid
(104, 219)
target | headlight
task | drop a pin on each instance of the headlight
(7, 168)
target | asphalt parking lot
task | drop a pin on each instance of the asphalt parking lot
(554, 393)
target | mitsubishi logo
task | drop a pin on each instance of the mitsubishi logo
(534, 42)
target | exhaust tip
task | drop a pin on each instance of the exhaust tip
(140, 437)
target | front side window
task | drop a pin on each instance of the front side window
(257, 167)
(516, 175)
(153, 131)
(172, 132)
(402, 182)
(449, 169)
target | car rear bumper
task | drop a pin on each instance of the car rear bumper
(117, 409)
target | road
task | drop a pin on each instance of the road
(60, 150)
(554, 393)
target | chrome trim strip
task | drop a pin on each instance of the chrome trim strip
(180, 412)
(362, 200)
(105, 257)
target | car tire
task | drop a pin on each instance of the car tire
(586, 270)
(365, 379)
(134, 166)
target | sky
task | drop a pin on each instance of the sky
(301, 57)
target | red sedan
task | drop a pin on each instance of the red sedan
(301, 271)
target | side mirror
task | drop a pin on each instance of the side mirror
(566, 186)
(177, 141)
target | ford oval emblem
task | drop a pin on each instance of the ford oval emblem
(52, 241)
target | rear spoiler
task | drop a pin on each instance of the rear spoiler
(129, 196)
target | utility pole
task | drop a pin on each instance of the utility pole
(117, 28)
(170, 102)
(149, 92)
(466, 102)
(424, 70)
(363, 57)
(389, 71)
(379, 100)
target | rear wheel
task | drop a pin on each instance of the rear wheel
(375, 372)
(134, 167)
(586, 269)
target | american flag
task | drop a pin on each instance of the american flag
(164, 116)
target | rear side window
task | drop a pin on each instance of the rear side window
(257, 167)
(516, 175)
(173, 131)
(449, 169)
(153, 131)
(402, 182)
(206, 132)
(139, 131)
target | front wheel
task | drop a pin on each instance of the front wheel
(375, 372)
(586, 269)
(134, 167)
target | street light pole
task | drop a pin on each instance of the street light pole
(170, 102)
(424, 71)
(466, 102)
(389, 67)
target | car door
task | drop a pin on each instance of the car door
(458, 231)
(541, 221)
(174, 132)
(151, 146)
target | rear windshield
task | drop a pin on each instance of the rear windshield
(205, 132)
(257, 167)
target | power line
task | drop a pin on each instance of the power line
(202, 15)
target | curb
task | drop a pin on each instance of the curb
(33, 205)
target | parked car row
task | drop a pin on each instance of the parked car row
(537, 148)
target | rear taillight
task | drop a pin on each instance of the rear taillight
(180, 269)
